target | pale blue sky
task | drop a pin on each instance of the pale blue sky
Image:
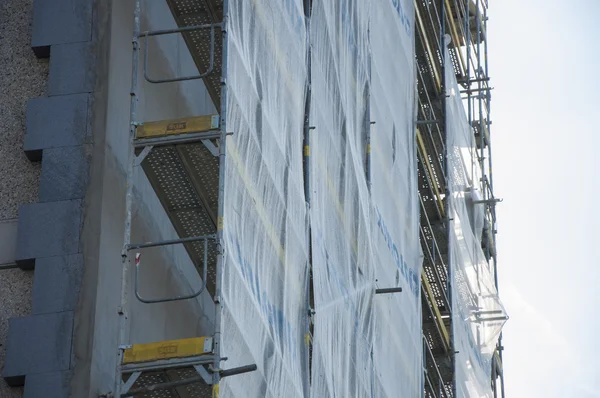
(544, 65)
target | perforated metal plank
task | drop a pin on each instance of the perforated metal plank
(147, 379)
(201, 12)
(195, 390)
(185, 178)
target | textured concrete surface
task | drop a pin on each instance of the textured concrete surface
(23, 77)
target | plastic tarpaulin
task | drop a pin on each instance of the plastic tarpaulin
(264, 278)
(395, 222)
(363, 71)
(477, 313)
(363, 345)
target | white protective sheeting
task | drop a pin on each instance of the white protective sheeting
(264, 294)
(395, 222)
(343, 271)
(363, 345)
(477, 313)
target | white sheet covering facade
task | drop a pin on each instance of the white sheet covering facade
(363, 345)
(478, 314)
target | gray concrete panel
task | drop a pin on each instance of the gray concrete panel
(64, 173)
(8, 241)
(55, 122)
(47, 385)
(15, 301)
(56, 283)
(58, 22)
(37, 344)
(48, 229)
(71, 69)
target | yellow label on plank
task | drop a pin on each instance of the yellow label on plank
(163, 128)
(168, 349)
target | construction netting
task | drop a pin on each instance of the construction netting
(362, 232)
(478, 314)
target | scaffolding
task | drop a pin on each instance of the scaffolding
(184, 161)
(462, 26)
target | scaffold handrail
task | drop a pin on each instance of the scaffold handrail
(201, 75)
(173, 298)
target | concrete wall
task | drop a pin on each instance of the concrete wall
(23, 76)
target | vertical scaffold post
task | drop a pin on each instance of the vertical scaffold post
(306, 174)
(468, 77)
(479, 76)
(447, 206)
(221, 206)
(122, 309)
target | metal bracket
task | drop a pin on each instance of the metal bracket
(130, 382)
(206, 377)
(237, 371)
(488, 201)
(388, 290)
(211, 147)
(140, 158)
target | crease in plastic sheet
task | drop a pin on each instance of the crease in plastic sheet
(363, 345)
(478, 314)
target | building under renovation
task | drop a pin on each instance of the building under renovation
(247, 198)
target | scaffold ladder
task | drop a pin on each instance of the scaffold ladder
(185, 367)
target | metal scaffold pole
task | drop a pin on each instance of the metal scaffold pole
(444, 48)
(221, 207)
(307, 197)
(122, 309)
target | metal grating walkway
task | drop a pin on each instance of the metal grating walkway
(185, 178)
(201, 12)
(154, 378)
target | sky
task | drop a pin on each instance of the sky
(545, 66)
